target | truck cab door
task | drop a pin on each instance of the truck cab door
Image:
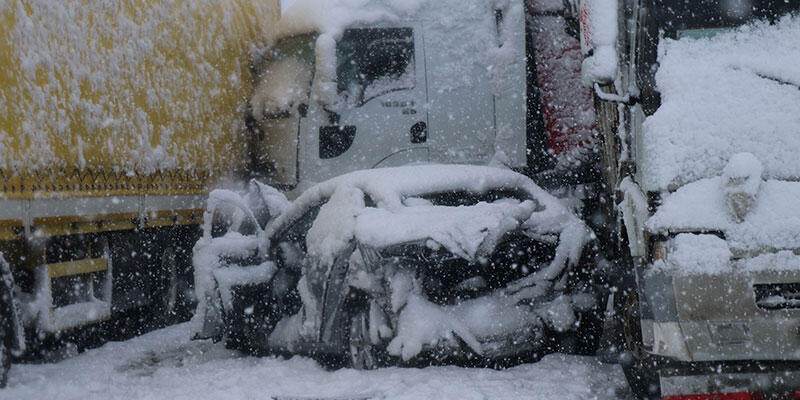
(461, 105)
(378, 116)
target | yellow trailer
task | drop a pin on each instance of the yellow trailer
(116, 118)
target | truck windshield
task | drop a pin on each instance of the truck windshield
(374, 61)
(682, 18)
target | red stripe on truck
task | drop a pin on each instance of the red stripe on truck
(717, 396)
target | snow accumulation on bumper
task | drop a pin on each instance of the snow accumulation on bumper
(734, 92)
(773, 223)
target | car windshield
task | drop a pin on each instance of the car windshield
(696, 18)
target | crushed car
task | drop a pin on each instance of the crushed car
(390, 264)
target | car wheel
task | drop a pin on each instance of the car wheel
(363, 354)
(640, 367)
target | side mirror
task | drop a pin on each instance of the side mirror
(325, 78)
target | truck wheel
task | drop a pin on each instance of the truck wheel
(639, 366)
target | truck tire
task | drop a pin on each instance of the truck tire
(640, 367)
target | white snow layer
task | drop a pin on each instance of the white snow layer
(696, 254)
(165, 365)
(460, 230)
(731, 93)
(773, 222)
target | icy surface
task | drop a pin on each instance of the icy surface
(735, 92)
(166, 365)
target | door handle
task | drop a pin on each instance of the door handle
(419, 132)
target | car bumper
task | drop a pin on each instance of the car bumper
(720, 317)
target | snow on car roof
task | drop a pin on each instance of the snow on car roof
(734, 92)
(461, 230)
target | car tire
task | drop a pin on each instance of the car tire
(639, 367)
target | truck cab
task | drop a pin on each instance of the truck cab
(697, 123)
(406, 87)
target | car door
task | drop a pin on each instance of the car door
(379, 117)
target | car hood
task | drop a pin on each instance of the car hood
(773, 223)
(467, 231)
(731, 93)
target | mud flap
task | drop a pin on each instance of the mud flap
(11, 325)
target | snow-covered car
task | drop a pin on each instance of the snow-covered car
(393, 263)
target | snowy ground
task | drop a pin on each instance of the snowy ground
(165, 365)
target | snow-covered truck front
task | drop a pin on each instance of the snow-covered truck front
(702, 123)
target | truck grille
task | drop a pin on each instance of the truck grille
(777, 296)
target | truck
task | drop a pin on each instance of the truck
(386, 84)
(695, 127)
(116, 119)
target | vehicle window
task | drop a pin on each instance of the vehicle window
(374, 61)
(467, 198)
